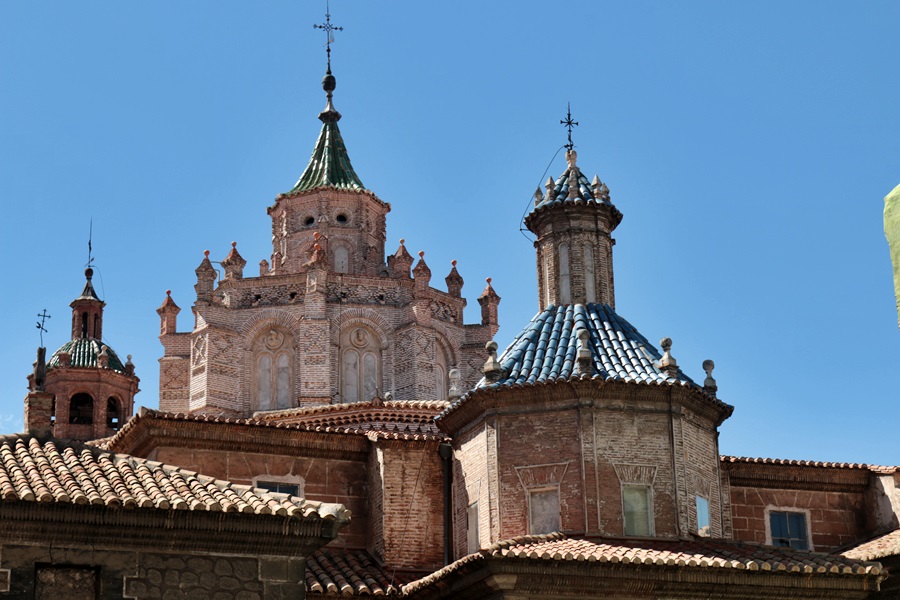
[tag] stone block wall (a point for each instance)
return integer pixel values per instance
(76, 573)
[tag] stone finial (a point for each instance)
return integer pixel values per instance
(538, 196)
(571, 158)
(263, 268)
(65, 359)
(574, 187)
(454, 281)
(455, 378)
(129, 366)
(709, 384)
(596, 186)
(604, 192)
(234, 263)
(103, 357)
(585, 361)
(388, 396)
(668, 363)
(549, 186)
(492, 369)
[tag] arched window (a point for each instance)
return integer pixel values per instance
(341, 259)
(84, 324)
(273, 369)
(113, 414)
(590, 284)
(97, 333)
(81, 409)
(360, 365)
(565, 285)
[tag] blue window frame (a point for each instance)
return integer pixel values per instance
(789, 529)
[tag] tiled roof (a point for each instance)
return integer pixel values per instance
(392, 416)
(84, 353)
(546, 350)
(879, 547)
(559, 195)
(710, 554)
(349, 573)
(809, 463)
(329, 165)
(53, 471)
(387, 431)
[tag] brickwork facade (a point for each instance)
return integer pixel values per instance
(586, 443)
(311, 306)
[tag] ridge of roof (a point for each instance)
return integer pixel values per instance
(705, 553)
(386, 433)
(885, 469)
(69, 472)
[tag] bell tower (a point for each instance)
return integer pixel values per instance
(573, 221)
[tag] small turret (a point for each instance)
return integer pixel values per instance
(454, 281)
(401, 262)
(206, 279)
(421, 273)
(168, 315)
(234, 263)
(87, 311)
(489, 301)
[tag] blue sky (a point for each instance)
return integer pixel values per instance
(749, 146)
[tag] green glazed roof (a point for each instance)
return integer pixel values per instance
(329, 164)
(84, 353)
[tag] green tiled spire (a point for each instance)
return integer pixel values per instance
(329, 164)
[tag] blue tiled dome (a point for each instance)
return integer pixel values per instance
(546, 350)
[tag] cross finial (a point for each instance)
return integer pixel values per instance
(569, 123)
(90, 248)
(43, 316)
(329, 30)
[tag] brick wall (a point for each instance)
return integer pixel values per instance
(834, 518)
(325, 480)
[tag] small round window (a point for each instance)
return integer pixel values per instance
(310, 221)
(342, 218)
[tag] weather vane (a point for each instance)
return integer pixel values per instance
(329, 30)
(90, 249)
(569, 123)
(43, 315)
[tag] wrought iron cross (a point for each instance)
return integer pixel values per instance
(569, 123)
(329, 30)
(90, 248)
(43, 315)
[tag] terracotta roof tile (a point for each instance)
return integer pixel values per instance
(717, 554)
(415, 430)
(349, 573)
(33, 470)
(809, 463)
(879, 547)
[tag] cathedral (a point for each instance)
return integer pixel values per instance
(330, 426)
